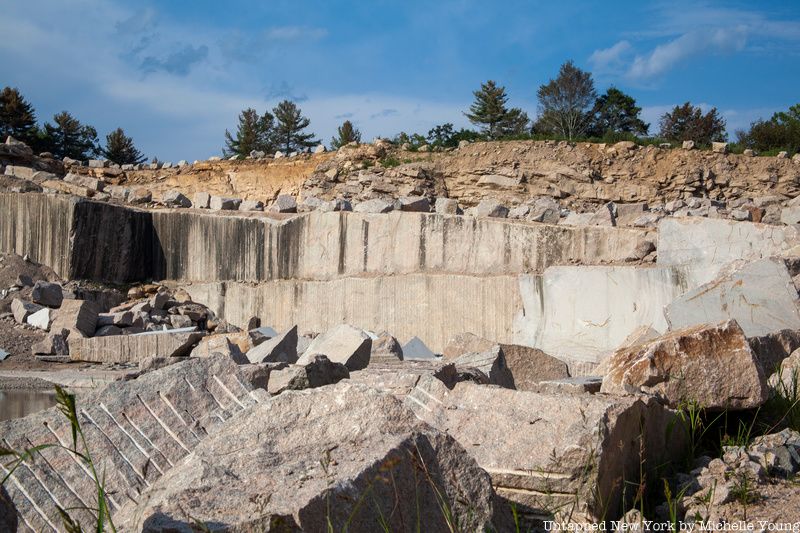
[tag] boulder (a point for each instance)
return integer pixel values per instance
(40, 319)
(55, 343)
(417, 204)
(140, 196)
(416, 349)
(790, 215)
(720, 148)
(201, 200)
(711, 365)
(606, 215)
(375, 205)
(22, 310)
(339, 204)
(341, 458)
(319, 372)
(492, 363)
(546, 210)
(385, 348)
(47, 294)
(251, 206)
(284, 203)
(279, 349)
(771, 349)
(688, 145)
(219, 203)
(531, 366)
(133, 348)
(490, 208)
(342, 344)
(232, 345)
(759, 295)
(175, 199)
(785, 381)
(464, 343)
(568, 455)
(447, 206)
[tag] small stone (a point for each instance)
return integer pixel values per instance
(284, 203)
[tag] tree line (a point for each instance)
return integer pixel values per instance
(66, 136)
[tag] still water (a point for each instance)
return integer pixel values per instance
(19, 403)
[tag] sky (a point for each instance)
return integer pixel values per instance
(175, 75)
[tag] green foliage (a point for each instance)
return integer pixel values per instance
(491, 114)
(414, 141)
(253, 132)
(121, 150)
(17, 117)
(781, 132)
(80, 450)
(346, 134)
(565, 103)
(289, 127)
(688, 123)
(390, 162)
(67, 137)
(783, 406)
(616, 113)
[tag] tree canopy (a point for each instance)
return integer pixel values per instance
(489, 111)
(253, 133)
(67, 137)
(120, 149)
(616, 112)
(346, 134)
(781, 132)
(688, 123)
(17, 117)
(566, 101)
(289, 126)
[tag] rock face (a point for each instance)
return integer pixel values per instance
(760, 296)
(711, 365)
(136, 431)
(343, 344)
(570, 454)
(385, 348)
(305, 460)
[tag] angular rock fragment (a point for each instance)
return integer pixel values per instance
(40, 319)
(447, 206)
(22, 309)
(78, 316)
(415, 349)
(342, 344)
(219, 203)
(492, 363)
(711, 365)
(328, 448)
(279, 349)
(375, 205)
(284, 204)
(319, 372)
(385, 348)
(490, 208)
(47, 294)
(417, 204)
(176, 199)
(232, 345)
(201, 200)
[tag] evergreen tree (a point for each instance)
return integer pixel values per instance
(289, 135)
(688, 123)
(17, 117)
(345, 135)
(565, 102)
(616, 112)
(121, 150)
(253, 133)
(69, 138)
(490, 113)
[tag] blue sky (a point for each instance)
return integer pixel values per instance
(175, 74)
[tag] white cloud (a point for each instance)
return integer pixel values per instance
(606, 60)
(666, 56)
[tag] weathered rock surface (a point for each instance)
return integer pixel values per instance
(279, 349)
(342, 344)
(569, 454)
(306, 460)
(712, 365)
(492, 363)
(77, 316)
(385, 348)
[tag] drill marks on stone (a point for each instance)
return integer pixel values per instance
(133, 441)
(114, 446)
(177, 415)
(58, 475)
(150, 442)
(228, 391)
(21, 489)
(163, 425)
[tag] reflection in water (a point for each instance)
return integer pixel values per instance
(19, 403)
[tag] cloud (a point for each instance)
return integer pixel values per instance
(344, 116)
(284, 91)
(178, 62)
(610, 59)
(389, 112)
(666, 56)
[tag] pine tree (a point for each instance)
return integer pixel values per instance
(121, 150)
(490, 113)
(345, 135)
(616, 112)
(69, 138)
(289, 128)
(254, 133)
(17, 117)
(565, 102)
(688, 123)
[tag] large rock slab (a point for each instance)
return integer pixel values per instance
(712, 365)
(318, 373)
(77, 316)
(759, 295)
(233, 345)
(136, 431)
(568, 454)
(47, 294)
(492, 363)
(279, 349)
(715, 242)
(342, 457)
(342, 344)
(134, 348)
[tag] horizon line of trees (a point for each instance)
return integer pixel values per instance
(66, 136)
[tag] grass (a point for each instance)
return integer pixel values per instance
(101, 513)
